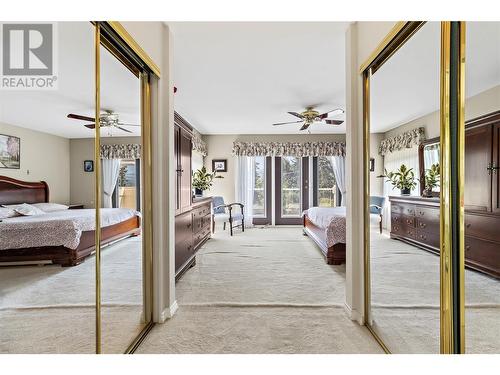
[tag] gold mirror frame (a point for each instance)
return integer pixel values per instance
(452, 269)
(111, 42)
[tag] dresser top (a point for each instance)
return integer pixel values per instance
(434, 201)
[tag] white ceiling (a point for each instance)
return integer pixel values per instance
(46, 111)
(407, 86)
(239, 78)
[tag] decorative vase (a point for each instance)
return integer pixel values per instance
(427, 193)
(406, 191)
(198, 192)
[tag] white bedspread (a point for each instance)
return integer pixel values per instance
(332, 219)
(59, 228)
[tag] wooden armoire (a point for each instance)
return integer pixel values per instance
(192, 216)
(416, 219)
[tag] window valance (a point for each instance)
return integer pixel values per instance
(404, 140)
(123, 151)
(199, 145)
(288, 149)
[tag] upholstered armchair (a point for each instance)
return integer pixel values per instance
(376, 208)
(224, 213)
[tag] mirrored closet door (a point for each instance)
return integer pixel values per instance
(404, 197)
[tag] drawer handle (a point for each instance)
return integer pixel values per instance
(189, 225)
(421, 213)
(423, 225)
(423, 237)
(467, 225)
(408, 221)
(467, 248)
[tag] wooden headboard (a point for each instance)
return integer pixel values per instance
(14, 191)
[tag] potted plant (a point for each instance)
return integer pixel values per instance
(403, 179)
(431, 179)
(203, 180)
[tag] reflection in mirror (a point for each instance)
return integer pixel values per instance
(404, 225)
(47, 266)
(482, 184)
(122, 288)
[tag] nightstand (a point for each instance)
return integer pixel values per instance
(75, 206)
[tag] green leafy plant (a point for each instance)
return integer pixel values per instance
(403, 179)
(431, 178)
(203, 180)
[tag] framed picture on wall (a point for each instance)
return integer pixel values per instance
(10, 152)
(219, 165)
(88, 166)
(372, 164)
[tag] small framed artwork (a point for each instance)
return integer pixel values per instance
(372, 164)
(219, 165)
(10, 152)
(88, 166)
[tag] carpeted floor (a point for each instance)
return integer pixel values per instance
(51, 309)
(262, 291)
(405, 300)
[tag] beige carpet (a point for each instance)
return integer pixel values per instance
(51, 309)
(405, 300)
(262, 291)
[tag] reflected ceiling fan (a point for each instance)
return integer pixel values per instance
(108, 119)
(310, 116)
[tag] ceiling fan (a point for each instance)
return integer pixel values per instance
(108, 119)
(310, 115)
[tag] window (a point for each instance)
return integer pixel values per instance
(291, 179)
(126, 187)
(326, 185)
(259, 193)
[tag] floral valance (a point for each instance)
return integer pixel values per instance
(405, 140)
(288, 149)
(198, 144)
(123, 151)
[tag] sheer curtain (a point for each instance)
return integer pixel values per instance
(338, 165)
(392, 161)
(245, 184)
(110, 173)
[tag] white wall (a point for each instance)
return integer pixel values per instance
(220, 147)
(44, 157)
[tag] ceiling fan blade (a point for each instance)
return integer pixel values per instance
(123, 124)
(337, 110)
(125, 130)
(286, 123)
(90, 126)
(333, 122)
(79, 117)
(296, 114)
(304, 127)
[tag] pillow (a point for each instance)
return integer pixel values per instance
(5, 213)
(25, 209)
(50, 207)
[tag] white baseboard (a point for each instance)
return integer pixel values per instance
(169, 312)
(353, 314)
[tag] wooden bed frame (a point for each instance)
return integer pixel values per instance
(13, 191)
(334, 254)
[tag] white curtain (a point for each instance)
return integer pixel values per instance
(110, 173)
(338, 165)
(392, 161)
(245, 184)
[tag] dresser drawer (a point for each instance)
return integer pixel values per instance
(201, 211)
(183, 227)
(429, 239)
(403, 209)
(408, 221)
(483, 254)
(485, 227)
(201, 236)
(183, 252)
(404, 231)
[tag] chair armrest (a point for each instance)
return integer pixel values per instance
(230, 206)
(221, 206)
(377, 207)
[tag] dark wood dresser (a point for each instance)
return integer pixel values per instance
(416, 220)
(192, 216)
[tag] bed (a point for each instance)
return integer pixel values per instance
(64, 238)
(326, 227)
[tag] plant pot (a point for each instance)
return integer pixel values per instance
(198, 192)
(405, 191)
